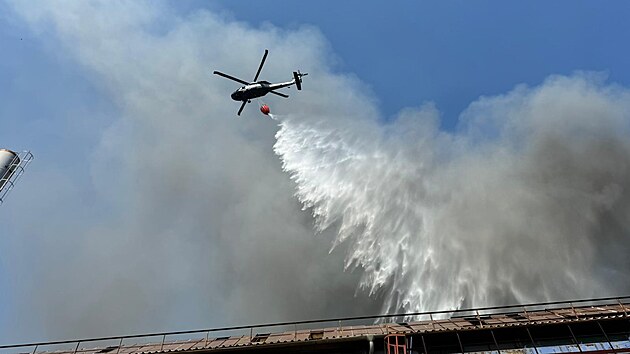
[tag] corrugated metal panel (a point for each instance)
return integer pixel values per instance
(397, 328)
(153, 348)
(445, 325)
(421, 326)
(461, 323)
(130, 349)
(302, 335)
(279, 338)
(243, 341)
(216, 343)
(545, 316)
(230, 342)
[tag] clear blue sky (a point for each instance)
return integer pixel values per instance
(405, 52)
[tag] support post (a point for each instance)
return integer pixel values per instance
(532, 339)
(574, 338)
(424, 344)
(76, 348)
(459, 340)
(495, 341)
(605, 335)
(119, 345)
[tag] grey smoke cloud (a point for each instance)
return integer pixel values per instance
(189, 220)
(192, 222)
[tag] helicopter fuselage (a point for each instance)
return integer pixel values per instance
(257, 89)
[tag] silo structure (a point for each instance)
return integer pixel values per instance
(12, 165)
(9, 160)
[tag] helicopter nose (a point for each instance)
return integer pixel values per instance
(234, 95)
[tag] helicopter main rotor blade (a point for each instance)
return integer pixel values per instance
(241, 109)
(231, 77)
(279, 94)
(262, 62)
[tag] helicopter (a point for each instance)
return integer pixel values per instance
(257, 89)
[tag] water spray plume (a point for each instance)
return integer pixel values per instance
(527, 202)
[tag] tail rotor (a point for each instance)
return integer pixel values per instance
(297, 76)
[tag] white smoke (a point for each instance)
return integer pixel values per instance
(172, 213)
(528, 201)
(189, 220)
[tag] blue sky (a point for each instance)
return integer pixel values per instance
(452, 52)
(404, 53)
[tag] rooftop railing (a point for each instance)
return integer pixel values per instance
(74, 344)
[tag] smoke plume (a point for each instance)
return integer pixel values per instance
(178, 215)
(168, 212)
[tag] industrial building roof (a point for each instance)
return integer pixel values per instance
(210, 340)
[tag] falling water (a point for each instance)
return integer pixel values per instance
(528, 201)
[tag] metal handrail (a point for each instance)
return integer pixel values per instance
(618, 299)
